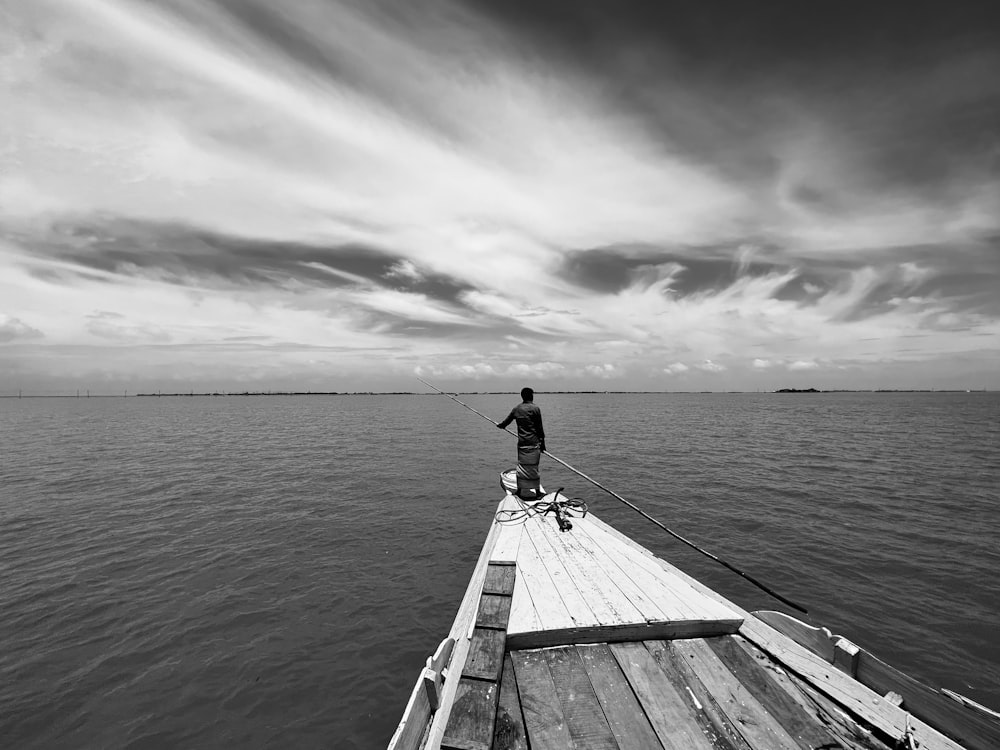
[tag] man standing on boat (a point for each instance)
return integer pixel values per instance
(530, 444)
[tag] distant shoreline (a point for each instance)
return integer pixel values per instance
(228, 394)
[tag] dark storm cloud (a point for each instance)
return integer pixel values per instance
(181, 254)
(612, 269)
(964, 279)
(912, 84)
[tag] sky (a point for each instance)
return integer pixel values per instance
(325, 195)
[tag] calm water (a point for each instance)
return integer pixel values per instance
(272, 572)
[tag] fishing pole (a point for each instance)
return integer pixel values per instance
(638, 510)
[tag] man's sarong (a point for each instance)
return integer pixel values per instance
(528, 479)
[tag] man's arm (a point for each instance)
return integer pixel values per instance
(539, 430)
(507, 421)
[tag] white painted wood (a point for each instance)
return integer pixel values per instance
(637, 585)
(814, 669)
(675, 595)
(845, 656)
(509, 539)
(643, 572)
(605, 599)
(549, 606)
(578, 607)
(465, 618)
(523, 617)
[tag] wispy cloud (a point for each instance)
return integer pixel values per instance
(451, 185)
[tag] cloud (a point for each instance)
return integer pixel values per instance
(802, 364)
(14, 329)
(710, 366)
(404, 270)
(451, 181)
(604, 371)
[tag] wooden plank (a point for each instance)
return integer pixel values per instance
(470, 726)
(494, 611)
(509, 539)
(621, 708)
(674, 593)
(619, 633)
(713, 720)
(758, 727)
(813, 669)
(818, 640)
(849, 692)
(668, 712)
(801, 725)
(485, 658)
(848, 731)
(640, 586)
(459, 631)
(576, 604)
(549, 606)
(606, 600)
(412, 726)
(523, 617)
(509, 732)
(587, 725)
(642, 569)
(499, 579)
(971, 728)
(543, 715)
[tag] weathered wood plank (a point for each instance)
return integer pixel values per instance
(587, 725)
(817, 640)
(523, 617)
(668, 712)
(459, 631)
(549, 606)
(829, 713)
(411, 728)
(485, 658)
(706, 710)
(471, 722)
(971, 728)
(577, 605)
(847, 691)
(802, 726)
(494, 611)
(641, 568)
(509, 732)
(543, 715)
(499, 579)
(619, 633)
(621, 708)
(757, 726)
(605, 598)
(641, 587)
(675, 597)
(505, 550)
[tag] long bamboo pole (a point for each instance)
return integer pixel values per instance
(638, 510)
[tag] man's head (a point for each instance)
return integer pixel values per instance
(527, 394)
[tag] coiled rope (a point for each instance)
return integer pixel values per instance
(562, 509)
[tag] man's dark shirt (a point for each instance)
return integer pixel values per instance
(529, 424)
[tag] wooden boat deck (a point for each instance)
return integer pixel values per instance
(684, 694)
(585, 639)
(588, 585)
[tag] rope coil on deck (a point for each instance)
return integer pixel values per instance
(562, 509)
